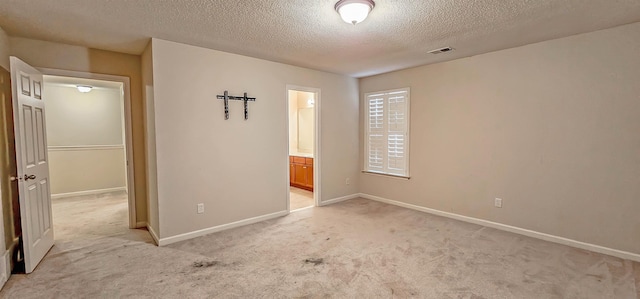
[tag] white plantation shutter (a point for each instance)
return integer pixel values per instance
(387, 132)
(376, 136)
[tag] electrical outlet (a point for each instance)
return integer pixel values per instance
(200, 208)
(498, 203)
(347, 181)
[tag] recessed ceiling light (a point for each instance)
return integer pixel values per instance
(84, 88)
(354, 11)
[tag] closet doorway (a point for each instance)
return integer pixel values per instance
(302, 106)
(89, 146)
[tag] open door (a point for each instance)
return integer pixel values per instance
(32, 163)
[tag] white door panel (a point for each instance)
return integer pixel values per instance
(32, 160)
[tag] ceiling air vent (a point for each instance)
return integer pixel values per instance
(441, 50)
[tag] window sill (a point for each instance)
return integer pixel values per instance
(388, 175)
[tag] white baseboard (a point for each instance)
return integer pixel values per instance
(5, 267)
(513, 229)
(141, 224)
(206, 231)
(63, 148)
(88, 192)
(302, 209)
(153, 234)
(339, 199)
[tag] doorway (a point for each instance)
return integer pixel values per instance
(88, 147)
(302, 105)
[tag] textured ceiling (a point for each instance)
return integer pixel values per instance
(309, 33)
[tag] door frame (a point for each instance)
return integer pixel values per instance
(317, 155)
(5, 256)
(131, 192)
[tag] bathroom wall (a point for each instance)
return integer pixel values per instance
(293, 121)
(306, 122)
(301, 123)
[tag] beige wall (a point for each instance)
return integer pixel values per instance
(4, 50)
(75, 118)
(66, 57)
(8, 190)
(238, 168)
(85, 136)
(150, 139)
(78, 170)
(552, 128)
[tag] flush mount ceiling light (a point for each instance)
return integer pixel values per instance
(84, 88)
(354, 11)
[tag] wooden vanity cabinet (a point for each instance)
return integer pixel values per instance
(301, 172)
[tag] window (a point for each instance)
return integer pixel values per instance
(387, 132)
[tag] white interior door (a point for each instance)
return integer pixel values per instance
(32, 159)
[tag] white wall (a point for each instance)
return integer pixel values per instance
(85, 139)
(150, 140)
(553, 128)
(238, 168)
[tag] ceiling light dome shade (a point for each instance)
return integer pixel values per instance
(84, 88)
(354, 11)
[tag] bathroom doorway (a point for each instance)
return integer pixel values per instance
(302, 104)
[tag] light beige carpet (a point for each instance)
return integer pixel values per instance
(356, 248)
(300, 198)
(91, 216)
